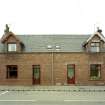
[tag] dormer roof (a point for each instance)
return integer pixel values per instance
(7, 35)
(98, 33)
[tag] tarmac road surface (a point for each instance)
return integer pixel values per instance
(51, 98)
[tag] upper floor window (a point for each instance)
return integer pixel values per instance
(95, 47)
(11, 47)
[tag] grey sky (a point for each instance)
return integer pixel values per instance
(52, 16)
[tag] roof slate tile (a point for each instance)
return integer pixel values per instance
(39, 43)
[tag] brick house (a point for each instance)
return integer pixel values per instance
(52, 59)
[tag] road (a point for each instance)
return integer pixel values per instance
(52, 103)
(51, 98)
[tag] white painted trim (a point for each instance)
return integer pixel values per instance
(94, 35)
(4, 93)
(17, 100)
(84, 100)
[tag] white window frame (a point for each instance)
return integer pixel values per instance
(12, 47)
(95, 47)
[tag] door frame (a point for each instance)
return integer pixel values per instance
(33, 75)
(74, 74)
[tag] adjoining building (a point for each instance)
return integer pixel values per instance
(52, 59)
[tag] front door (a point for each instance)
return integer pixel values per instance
(36, 74)
(71, 74)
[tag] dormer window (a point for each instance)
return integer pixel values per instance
(95, 47)
(95, 43)
(11, 47)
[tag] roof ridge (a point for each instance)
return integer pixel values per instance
(53, 35)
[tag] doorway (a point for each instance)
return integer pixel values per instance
(36, 74)
(71, 73)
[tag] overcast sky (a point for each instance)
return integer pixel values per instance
(52, 16)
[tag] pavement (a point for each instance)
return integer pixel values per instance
(54, 88)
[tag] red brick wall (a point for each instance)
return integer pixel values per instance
(25, 62)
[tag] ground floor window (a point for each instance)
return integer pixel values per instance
(12, 71)
(95, 71)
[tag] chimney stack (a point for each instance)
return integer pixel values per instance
(7, 29)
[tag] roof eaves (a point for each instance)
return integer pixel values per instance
(97, 33)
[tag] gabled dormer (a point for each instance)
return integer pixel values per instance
(95, 43)
(11, 42)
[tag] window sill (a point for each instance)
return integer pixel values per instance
(11, 52)
(95, 79)
(94, 51)
(12, 78)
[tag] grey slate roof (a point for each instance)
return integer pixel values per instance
(39, 43)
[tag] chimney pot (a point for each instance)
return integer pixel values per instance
(99, 30)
